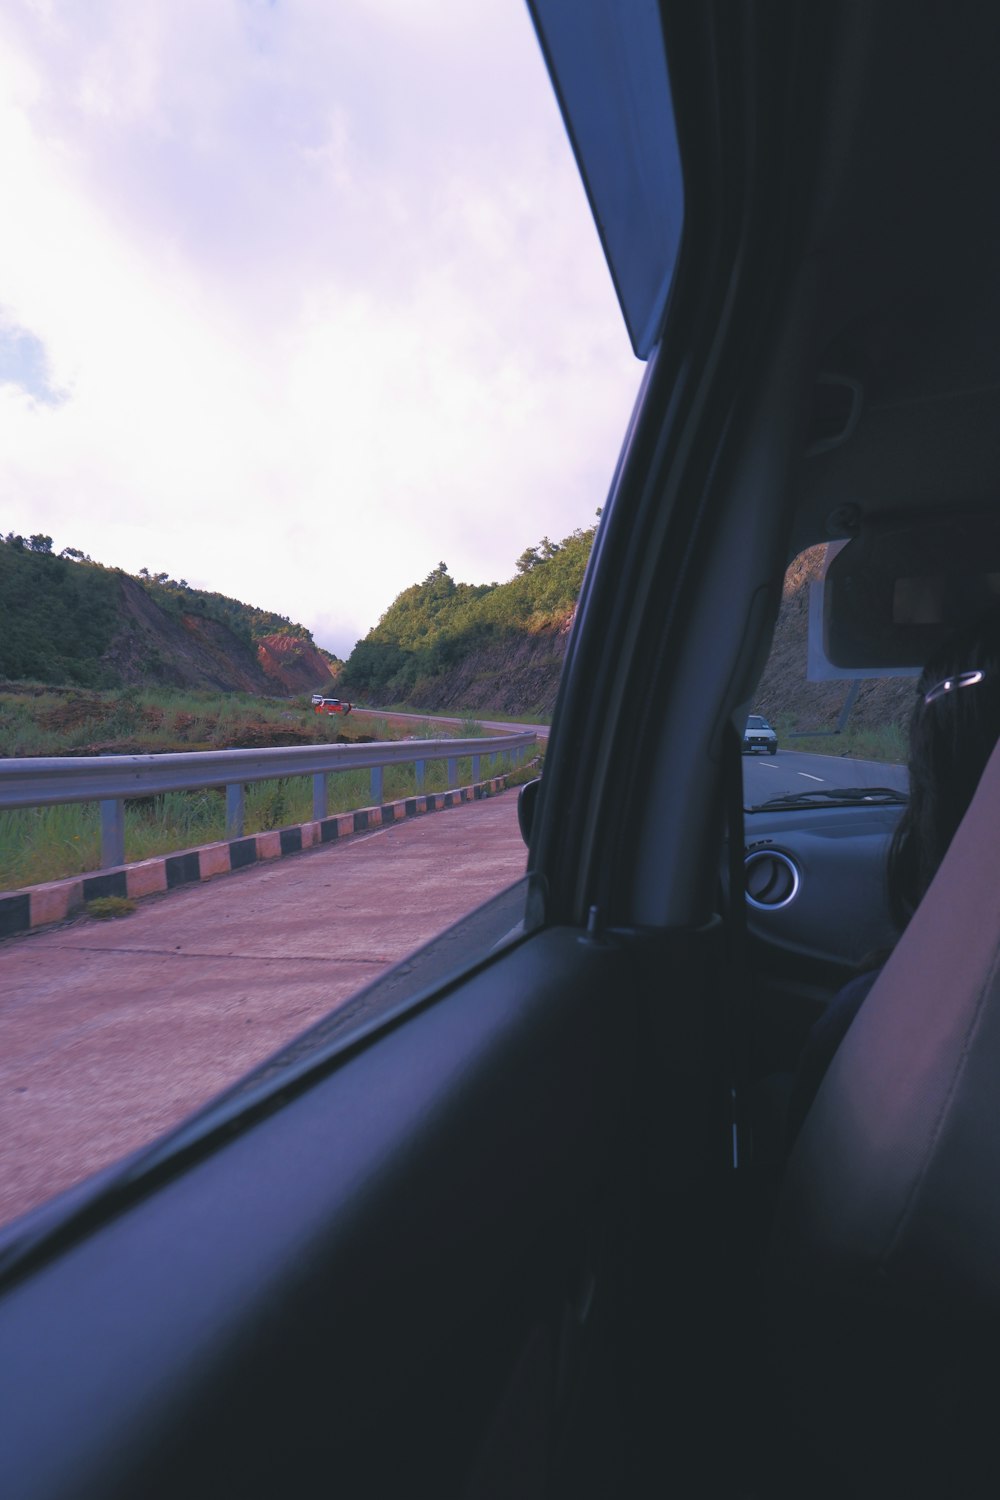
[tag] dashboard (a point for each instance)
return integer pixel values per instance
(816, 886)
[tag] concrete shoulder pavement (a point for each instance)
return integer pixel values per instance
(116, 1031)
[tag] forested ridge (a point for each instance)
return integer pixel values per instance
(57, 616)
(65, 619)
(436, 628)
(62, 615)
(245, 620)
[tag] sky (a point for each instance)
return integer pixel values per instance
(298, 299)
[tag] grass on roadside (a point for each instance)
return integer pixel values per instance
(886, 742)
(39, 721)
(105, 908)
(49, 843)
(530, 772)
(537, 716)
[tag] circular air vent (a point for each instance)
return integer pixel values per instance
(772, 879)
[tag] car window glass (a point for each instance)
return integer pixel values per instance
(313, 380)
(816, 737)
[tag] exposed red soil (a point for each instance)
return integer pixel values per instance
(293, 665)
(73, 713)
(152, 646)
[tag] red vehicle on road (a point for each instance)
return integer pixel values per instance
(323, 705)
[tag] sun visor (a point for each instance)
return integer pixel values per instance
(889, 597)
(609, 71)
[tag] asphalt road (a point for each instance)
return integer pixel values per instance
(115, 1031)
(767, 776)
(495, 726)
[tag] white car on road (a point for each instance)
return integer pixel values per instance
(758, 735)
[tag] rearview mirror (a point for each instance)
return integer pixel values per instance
(893, 593)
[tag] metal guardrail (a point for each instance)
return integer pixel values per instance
(41, 781)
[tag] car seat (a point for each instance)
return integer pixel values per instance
(884, 1278)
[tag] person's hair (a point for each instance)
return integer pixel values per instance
(951, 739)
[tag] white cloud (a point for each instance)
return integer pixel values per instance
(322, 290)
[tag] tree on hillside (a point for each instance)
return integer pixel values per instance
(56, 620)
(40, 543)
(244, 620)
(434, 625)
(533, 557)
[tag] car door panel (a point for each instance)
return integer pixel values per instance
(419, 1223)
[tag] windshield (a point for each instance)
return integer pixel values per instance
(826, 743)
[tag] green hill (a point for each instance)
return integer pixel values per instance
(246, 620)
(68, 620)
(440, 638)
(58, 617)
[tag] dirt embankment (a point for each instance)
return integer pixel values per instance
(152, 646)
(184, 651)
(518, 675)
(785, 693)
(292, 665)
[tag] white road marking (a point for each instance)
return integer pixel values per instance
(809, 775)
(768, 766)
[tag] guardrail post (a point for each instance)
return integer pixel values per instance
(475, 768)
(418, 770)
(234, 810)
(319, 796)
(376, 782)
(452, 771)
(112, 832)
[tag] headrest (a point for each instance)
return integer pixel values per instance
(896, 1172)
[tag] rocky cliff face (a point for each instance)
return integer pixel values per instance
(188, 650)
(184, 651)
(292, 665)
(517, 675)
